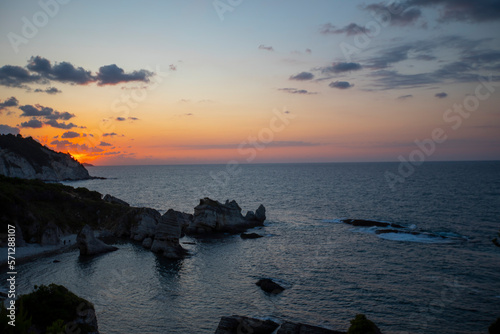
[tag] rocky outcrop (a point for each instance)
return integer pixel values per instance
(237, 324)
(51, 235)
(114, 200)
(250, 236)
(145, 222)
(269, 286)
(28, 159)
(212, 216)
(89, 245)
(166, 237)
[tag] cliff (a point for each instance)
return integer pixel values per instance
(28, 159)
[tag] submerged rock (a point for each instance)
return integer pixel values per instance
(212, 216)
(237, 324)
(89, 244)
(270, 286)
(250, 236)
(369, 223)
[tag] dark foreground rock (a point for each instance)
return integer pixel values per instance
(54, 309)
(270, 286)
(293, 328)
(237, 325)
(369, 223)
(26, 158)
(166, 237)
(214, 217)
(250, 236)
(89, 244)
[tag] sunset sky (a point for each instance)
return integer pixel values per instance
(171, 82)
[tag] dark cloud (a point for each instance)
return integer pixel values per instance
(441, 95)
(112, 75)
(297, 91)
(66, 145)
(341, 67)
(45, 112)
(109, 134)
(66, 72)
(55, 124)
(350, 29)
(133, 118)
(120, 119)
(340, 84)
(32, 123)
(17, 76)
(6, 129)
(302, 76)
(49, 90)
(395, 14)
(404, 97)
(308, 51)
(462, 10)
(105, 144)
(268, 48)
(70, 134)
(10, 102)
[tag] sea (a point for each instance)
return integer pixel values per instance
(442, 276)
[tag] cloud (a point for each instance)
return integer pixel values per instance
(341, 67)
(10, 102)
(105, 144)
(350, 29)
(112, 75)
(133, 118)
(462, 10)
(297, 91)
(109, 134)
(395, 14)
(268, 48)
(340, 84)
(5, 129)
(120, 119)
(32, 123)
(53, 123)
(49, 90)
(16, 76)
(66, 145)
(441, 95)
(404, 97)
(302, 76)
(45, 112)
(308, 51)
(172, 67)
(70, 134)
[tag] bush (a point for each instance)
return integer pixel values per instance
(361, 325)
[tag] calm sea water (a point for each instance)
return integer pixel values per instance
(332, 271)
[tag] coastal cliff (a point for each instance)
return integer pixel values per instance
(28, 159)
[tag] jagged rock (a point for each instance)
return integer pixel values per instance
(269, 286)
(293, 328)
(28, 159)
(250, 236)
(260, 214)
(51, 235)
(89, 245)
(213, 216)
(237, 324)
(166, 237)
(146, 220)
(147, 243)
(114, 200)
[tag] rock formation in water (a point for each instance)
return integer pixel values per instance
(89, 244)
(28, 159)
(212, 216)
(369, 223)
(166, 237)
(269, 286)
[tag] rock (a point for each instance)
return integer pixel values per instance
(250, 236)
(89, 245)
(269, 286)
(166, 237)
(51, 235)
(147, 243)
(212, 216)
(260, 214)
(114, 200)
(362, 325)
(26, 158)
(369, 223)
(56, 261)
(237, 324)
(19, 237)
(145, 222)
(293, 328)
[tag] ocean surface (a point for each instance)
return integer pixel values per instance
(444, 278)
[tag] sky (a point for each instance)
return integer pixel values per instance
(262, 81)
